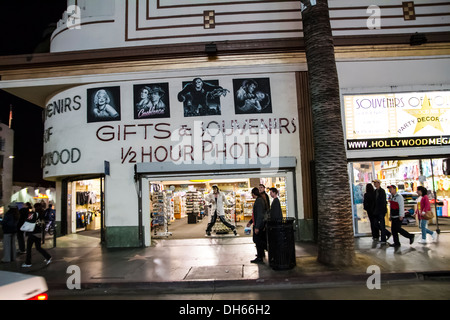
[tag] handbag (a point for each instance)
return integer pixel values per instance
(28, 226)
(428, 215)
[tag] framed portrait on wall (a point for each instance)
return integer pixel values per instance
(252, 95)
(201, 97)
(103, 104)
(151, 101)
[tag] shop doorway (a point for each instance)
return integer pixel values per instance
(85, 208)
(407, 175)
(179, 207)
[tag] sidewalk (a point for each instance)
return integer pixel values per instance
(223, 264)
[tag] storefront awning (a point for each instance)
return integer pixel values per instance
(267, 164)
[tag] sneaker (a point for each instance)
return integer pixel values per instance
(257, 260)
(395, 245)
(411, 240)
(208, 233)
(434, 235)
(47, 262)
(422, 241)
(24, 265)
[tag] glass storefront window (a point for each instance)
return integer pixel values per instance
(407, 175)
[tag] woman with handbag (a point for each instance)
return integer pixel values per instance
(422, 208)
(34, 237)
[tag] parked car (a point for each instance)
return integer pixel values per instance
(20, 286)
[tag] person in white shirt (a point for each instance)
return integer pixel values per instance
(217, 199)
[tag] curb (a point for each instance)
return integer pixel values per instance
(216, 286)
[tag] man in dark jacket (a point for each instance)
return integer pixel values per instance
(259, 233)
(9, 224)
(262, 192)
(275, 209)
(380, 210)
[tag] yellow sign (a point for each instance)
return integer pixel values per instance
(428, 116)
(397, 115)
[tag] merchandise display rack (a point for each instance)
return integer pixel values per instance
(161, 212)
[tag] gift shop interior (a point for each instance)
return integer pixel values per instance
(406, 175)
(180, 209)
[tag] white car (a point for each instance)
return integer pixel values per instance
(19, 286)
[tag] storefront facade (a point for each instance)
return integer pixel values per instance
(198, 90)
(398, 130)
(239, 125)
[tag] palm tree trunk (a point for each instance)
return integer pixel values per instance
(335, 229)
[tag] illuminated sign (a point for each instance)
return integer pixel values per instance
(397, 120)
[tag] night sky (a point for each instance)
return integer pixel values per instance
(24, 25)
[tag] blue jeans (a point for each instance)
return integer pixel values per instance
(423, 226)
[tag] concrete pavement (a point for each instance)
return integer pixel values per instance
(221, 264)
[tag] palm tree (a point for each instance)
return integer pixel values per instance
(335, 230)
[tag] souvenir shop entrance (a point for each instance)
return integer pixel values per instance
(407, 175)
(85, 208)
(180, 208)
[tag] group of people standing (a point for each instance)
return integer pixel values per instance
(12, 222)
(262, 210)
(375, 204)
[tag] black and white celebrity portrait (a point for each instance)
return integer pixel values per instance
(201, 98)
(151, 101)
(103, 104)
(252, 96)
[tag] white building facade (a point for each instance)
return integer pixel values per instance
(229, 99)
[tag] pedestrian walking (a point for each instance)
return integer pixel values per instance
(9, 224)
(217, 199)
(49, 217)
(36, 216)
(275, 209)
(397, 205)
(369, 206)
(380, 211)
(259, 232)
(23, 216)
(423, 205)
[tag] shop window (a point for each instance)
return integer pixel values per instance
(86, 205)
(407, 175)
(178, 208)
